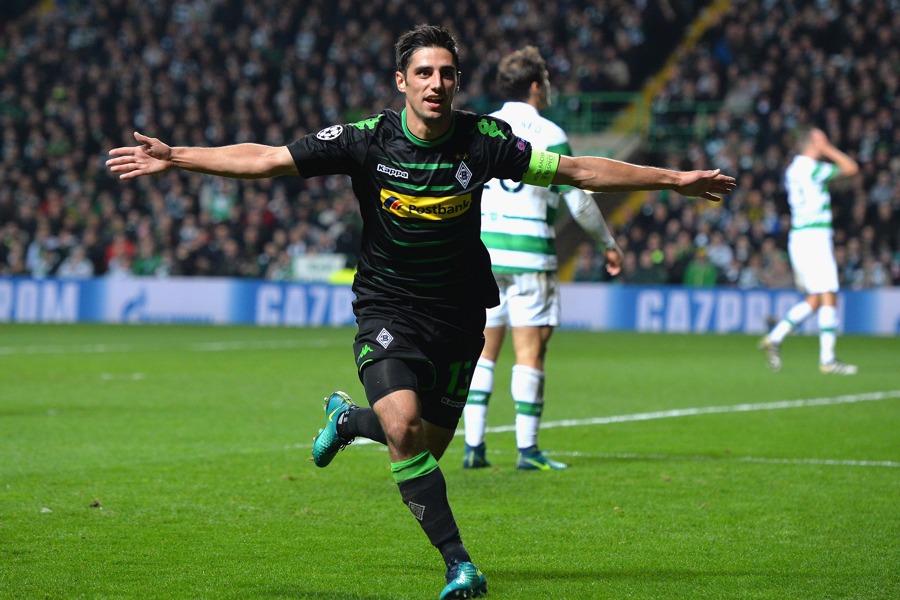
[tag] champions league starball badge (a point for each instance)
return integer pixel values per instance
(330, 133)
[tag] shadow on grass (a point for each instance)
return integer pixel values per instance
(295, 594)
(655, 575)
(349, 588)
(512, 579)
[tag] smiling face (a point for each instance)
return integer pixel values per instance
(429, 83)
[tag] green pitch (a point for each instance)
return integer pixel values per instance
(173, 462)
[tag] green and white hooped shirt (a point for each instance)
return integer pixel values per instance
(806, 181)
(517, 219)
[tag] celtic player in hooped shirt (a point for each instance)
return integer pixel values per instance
(424, 277)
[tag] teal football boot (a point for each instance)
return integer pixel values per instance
(464, 580)
(474, 458)
(532, 459)
(328, 443)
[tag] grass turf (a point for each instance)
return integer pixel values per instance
(172, 462)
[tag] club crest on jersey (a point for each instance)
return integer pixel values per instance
(384, 338)
(463, 174)
(521, 144)
(429, 208)
(330, 133)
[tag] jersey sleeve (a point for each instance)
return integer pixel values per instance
(513, 157)
(335, 150)
(587, 214)
(825, 172)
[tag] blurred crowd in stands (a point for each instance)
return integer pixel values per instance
(77, 80)
(770, 66)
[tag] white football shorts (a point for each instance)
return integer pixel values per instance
(526, 300)
(812, 259)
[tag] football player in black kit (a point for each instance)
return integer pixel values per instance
(424, 278)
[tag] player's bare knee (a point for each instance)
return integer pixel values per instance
(405, 439)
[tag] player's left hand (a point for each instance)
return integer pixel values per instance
(152, 156)
(710, 185)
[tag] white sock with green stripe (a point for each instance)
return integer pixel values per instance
(828, 323)
(527, 389)
(794, 318)
(475, 412)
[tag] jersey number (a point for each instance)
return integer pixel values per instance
(460, 378)
(511, 186)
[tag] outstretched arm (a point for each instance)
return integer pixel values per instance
(240, 161)
(599, 174)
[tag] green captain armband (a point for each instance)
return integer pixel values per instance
(542, 168)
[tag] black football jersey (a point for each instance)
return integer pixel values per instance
(420, 202)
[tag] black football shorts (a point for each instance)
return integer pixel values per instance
(436, 352)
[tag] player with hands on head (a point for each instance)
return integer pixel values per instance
(517, 227)
(811, 247)
(423, 280)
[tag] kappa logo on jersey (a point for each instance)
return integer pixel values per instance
(384, 338)
(430, 208)
(490, 128)
(365, 350)
(452, 403)
(392, 171)
(369, 123)
(463, 174)
(330, 133)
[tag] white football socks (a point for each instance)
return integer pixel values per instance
(828, 323)
(794, 318)
(475, 412)
(527, 389)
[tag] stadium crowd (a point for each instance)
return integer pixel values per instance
(770, 66)
(214, 72)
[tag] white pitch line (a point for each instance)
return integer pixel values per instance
(194, 347)
(708, 410)
(83, 349)
(261, 345)
(122, 376)
(825, 462)
(746, 459)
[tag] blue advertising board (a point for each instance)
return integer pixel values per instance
(596, 307)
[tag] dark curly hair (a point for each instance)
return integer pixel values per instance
(424, 36)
